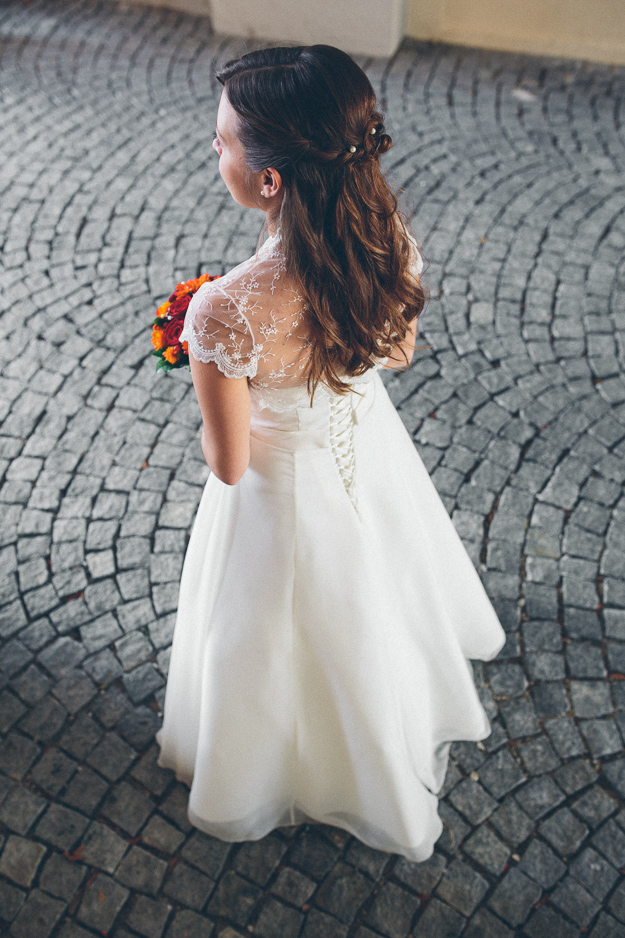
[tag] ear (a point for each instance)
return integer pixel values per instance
(270, 183)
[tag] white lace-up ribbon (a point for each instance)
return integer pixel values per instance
(342, 420)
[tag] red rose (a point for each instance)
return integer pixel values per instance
(179, 306)
(171, 331)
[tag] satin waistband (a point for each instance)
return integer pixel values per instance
(313, 427)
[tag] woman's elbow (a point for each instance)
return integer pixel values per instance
(231, 477)
(230, 471)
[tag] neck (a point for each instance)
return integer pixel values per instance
(271, 221)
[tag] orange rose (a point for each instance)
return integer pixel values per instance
(185, 348)
(158, 340)
(162, 310)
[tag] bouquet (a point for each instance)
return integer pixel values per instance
(170, 351)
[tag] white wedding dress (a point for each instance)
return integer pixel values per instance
(327, 606)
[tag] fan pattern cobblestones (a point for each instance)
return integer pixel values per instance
(513, 168)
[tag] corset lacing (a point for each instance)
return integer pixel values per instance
(342, 420)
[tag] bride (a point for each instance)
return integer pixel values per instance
(327, 606)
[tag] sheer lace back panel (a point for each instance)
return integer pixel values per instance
(251, 322)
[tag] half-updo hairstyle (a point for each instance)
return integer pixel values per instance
(310, 113)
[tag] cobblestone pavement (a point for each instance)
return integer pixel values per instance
(110, 193)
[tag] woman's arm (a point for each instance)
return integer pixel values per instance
(225, 406)
(398, 359)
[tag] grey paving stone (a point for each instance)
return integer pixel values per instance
(148, 917)
(550, 700)
(142, 682)
(606, 927)
(615, 773)
(102, 902)
(585, 660)
(514, 897)
(541, 864)
(11, 900)
(61, 877)
(519, 717)
(485, 848)
(100, 632)
(160, 834)
(564, 831)
(454, 829)
(61, 827)
(313, 853)
(439, 919)
(575, 901)
(17, 754)
(85, 791)
(539, 796)
(616, 903)
(61, 656)
(602, 737)
(609, 840)
(80, 736)
(293, 887)
(320, 925)
(187, 923)
(31, 685)
(102, 847)
(20, 860)
(538, 756)
(565, 737)
(21, 808)
(547, 922)
(470, 798)
(127, 807)
(392, 910)
(109, 706)
(38, 916)
(507, 680)
(174, 807)
(594, 873)
(421, 877)
(277, 920)
(191, 888)
(369, 861)
(511, 822)
(112, 757)
(545, 666)
(256, 860)
(53, 771)
(462, 887)
(138, 727)
(141, 870)
(45, 720)
(594, 806)
(485, 925)
(343, 893)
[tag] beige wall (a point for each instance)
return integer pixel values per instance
(581, 29)
(584, 29)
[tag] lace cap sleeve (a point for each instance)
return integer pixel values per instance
(217, 331)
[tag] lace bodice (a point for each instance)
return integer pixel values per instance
(251, 322)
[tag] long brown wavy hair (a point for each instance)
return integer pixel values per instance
(310, 113)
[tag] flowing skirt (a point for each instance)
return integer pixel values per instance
(327, 611)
